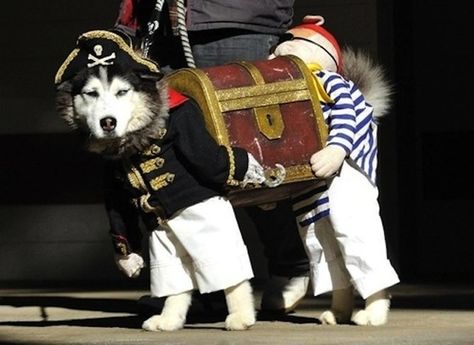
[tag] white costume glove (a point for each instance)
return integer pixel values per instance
(326, 162)
(254, 174)
(130, 264)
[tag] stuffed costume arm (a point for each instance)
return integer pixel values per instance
(123, 220)
(341, 122)
(213, 163)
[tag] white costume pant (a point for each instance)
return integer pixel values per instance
(200, 247)
(348, 246)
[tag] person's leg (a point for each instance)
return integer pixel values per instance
(288, 264)
(278, 232)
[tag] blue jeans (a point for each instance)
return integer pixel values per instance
(217, 47)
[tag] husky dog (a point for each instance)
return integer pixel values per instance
(165, 164)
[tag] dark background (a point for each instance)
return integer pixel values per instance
(52, 224)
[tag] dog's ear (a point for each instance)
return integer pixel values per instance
(65, 86)
(63, 102)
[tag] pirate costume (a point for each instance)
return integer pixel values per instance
(175, 183)
(338, 218)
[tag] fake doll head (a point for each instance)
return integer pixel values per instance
(313, 44)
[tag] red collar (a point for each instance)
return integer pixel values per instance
(175, 98)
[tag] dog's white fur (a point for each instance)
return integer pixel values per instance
(100, 99)
(138, 114)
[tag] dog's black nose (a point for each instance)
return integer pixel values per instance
(108, 123)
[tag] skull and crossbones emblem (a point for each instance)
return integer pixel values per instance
(97, 60)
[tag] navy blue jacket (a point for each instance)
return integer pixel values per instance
(182, 167)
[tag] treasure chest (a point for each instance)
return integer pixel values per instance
(268, 107)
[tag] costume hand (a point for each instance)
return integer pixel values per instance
(326, 162)
(255, 173)
(130, 264)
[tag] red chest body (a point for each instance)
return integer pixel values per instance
(268, 107)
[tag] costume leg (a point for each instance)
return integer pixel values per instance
(209, 233)
(359, 231)
(328, 272)
(327, 265)
(170, 275)
(171, 270)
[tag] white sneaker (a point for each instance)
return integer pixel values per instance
(282, 294)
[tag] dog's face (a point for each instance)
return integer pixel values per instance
(109, 105)
(113, 106)
(111, 93)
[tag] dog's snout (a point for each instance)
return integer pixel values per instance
(108, 123)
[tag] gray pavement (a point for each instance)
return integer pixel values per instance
(420, 315)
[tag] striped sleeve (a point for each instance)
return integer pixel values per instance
(342, 119)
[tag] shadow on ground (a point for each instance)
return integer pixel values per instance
(209, 308)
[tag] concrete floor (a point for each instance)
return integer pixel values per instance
(420, 315)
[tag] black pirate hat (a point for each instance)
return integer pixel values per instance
(104, 48)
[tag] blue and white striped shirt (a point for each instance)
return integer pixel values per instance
(351, 125)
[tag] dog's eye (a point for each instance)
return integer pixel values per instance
(122, 92)
(94, 94)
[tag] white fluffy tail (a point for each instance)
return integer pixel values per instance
(370, 79)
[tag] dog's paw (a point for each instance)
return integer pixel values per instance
(328, 318)
(375, 314)
(332, 317)
(158, 323)
(239, 321)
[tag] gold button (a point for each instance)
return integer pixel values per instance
(159, 162)
(161, 133)
(155, 149)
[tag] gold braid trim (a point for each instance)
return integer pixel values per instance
(231, 181)
(59, 74)
(134, 176)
